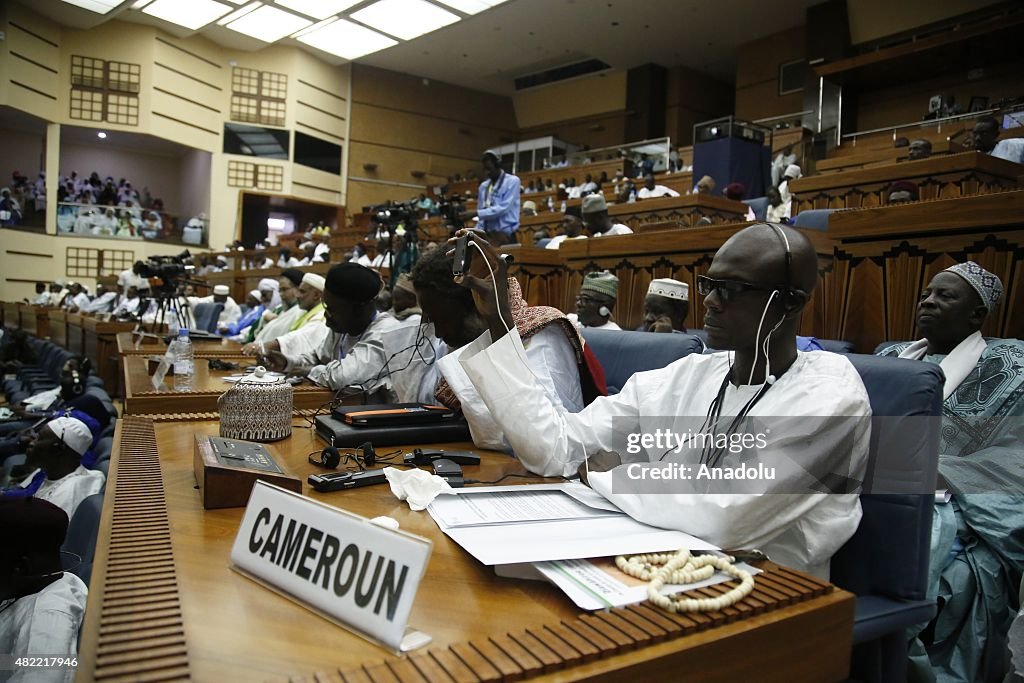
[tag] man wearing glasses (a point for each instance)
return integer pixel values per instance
(754, 292)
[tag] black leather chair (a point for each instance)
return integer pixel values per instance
(624, 352)
(885, 563)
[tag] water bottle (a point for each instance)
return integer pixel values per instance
(183, 366)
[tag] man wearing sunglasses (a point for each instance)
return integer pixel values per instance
(811, 409)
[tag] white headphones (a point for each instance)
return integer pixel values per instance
(604, 312)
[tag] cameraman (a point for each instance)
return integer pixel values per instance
(497, 203)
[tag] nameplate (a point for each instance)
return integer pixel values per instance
(338, 564)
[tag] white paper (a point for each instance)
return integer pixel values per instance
(598, 583)
(504, 506)
(161, 370)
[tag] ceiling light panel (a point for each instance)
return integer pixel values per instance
(239, 13)
(346, 40)
(139, 4)
(318, 9)
(98, 6)
(405, 19)
(471, 6)
(269, 24)
(192, 14)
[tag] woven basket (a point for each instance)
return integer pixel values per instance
(256, 408)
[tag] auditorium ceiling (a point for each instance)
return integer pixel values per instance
(477, 46)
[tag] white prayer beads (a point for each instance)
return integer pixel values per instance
(682, 568)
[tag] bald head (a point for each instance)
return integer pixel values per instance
(757, 254)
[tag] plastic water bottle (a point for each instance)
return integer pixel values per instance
(183, 365)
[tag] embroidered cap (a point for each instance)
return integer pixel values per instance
(669, 288)
(221, 290)
(986, 284)
(602, 282)
(594, 203)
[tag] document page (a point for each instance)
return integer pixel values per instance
(480, 508)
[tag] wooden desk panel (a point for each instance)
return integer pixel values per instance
(202, 348)
(939, 177)
(27, 318)
(207, 387)
(59, 327)
(11, 315)
(183, 613)
(885, 256)
(101, 347)
(76, 333)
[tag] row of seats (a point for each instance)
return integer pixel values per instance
(45, 374)
(886, 562)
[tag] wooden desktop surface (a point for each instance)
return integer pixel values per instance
(201, 348)
(164, 604)
(207, 386)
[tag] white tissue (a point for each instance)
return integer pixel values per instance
(417, 487)
(386, 522)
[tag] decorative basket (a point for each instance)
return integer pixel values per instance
(256, 408)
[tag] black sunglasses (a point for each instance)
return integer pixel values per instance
(728, 290)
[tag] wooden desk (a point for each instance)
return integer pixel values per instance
(163, 603)
(207, 386)
(201, 348)
(101, 347)
(76, 333)
(59, 327)
(686, 210)
(27, 318)
(11, 315)
(552, 277)
(939, 177)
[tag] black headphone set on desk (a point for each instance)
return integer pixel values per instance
(365, 456)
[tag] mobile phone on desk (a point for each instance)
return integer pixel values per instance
(460, 264)
(339, 481)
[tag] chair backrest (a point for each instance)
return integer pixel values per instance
(813, 219)
(623, 353)
(206, 315)
(759, 205)
(836, 345)
(82, 532)
(888, 555)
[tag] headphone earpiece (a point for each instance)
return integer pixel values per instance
(369, 455)
(604, 312)
(329, 458)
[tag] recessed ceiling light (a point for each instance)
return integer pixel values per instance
(192, 14)
(239, 13)
(471, 6)
(405, 19)
(98, 6)
(139, 4)
(269, 24)
(347, 40)
(318, 9)
(101, 135)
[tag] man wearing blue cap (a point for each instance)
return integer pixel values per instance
(978, 536)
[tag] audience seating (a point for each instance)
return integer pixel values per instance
(80, 540)
(886, 562)
(813, 219)
(759, 205)
(624, 352)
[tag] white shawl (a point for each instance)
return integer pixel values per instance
(957, 365)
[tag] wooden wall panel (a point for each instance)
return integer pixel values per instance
(757, 75)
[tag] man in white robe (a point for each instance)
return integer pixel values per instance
(41, 606)
(103, 303)
(754, 291)
(221, 295)
(56, 454)
(308, 332)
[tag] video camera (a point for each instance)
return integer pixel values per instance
(170, 269)
(395, 215)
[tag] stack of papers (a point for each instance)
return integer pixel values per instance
(550, 531)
